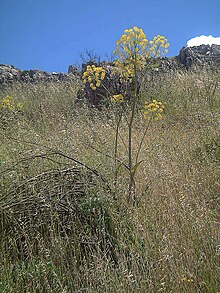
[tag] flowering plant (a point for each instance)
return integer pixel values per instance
(132, 52)
(154, 110)
(8, 103)
(9, 108)
(93, 75)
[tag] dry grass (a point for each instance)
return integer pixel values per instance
(168, 241)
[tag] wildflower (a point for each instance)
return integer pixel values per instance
(19, 106)
(117, 98)
(129, 49)
(9, 103)
(153, 110)
(133, 48)
(98, 83)
(185, 279)
(93, 75)
(158, 46)
(92, 86)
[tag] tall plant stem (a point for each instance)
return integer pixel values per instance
(131, 180)
(116, 147)
(142, 140)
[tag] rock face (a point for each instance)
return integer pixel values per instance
(9, 74)
(200, 56)
(163, 64)
(188, 58)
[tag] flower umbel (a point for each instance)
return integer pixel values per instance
(158, 46)
(153, 110)
(93, 75)
(117, 98)
(133, 49)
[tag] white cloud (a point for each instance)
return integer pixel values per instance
(203, 40)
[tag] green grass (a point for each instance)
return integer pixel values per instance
(164, 242)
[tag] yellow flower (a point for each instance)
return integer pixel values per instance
(19, 106)
(130, 49)
(9, 103)
(93, 75)
(185, 279)
(98, 83)
(117, 98)
(102, 75)
(153, 110)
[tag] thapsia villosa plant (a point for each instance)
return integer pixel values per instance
(132, 51)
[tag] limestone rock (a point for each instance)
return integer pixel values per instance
(200, 56)
(10, 74)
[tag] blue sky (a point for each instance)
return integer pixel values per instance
(51, 34)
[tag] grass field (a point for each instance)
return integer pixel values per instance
(66, 226)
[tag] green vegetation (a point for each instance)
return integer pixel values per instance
(73, 219)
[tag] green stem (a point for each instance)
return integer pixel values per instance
(116, 146)
(142, 139)
(132, 181)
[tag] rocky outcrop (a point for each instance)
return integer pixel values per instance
(200, 56)
(163, 64)
(10, 74)
(188, 58)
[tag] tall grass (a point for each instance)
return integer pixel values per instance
(59, 237)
